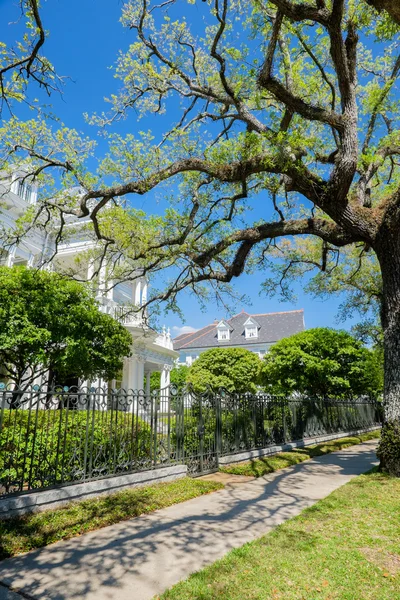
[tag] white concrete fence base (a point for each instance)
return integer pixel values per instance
(59, 496)
(252, 454)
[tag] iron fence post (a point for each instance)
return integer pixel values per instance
(218, 428)
(284, 420)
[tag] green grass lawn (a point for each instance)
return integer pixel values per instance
(21, 534)
(268, 464)
(346, 547)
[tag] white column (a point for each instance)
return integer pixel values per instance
(11, 256)
(132, 373)
(165, 376)
(125, 374)
(144, 292)
(138, 290)
(140, 373)
(31, 260)
(90, 269)
(110, 290)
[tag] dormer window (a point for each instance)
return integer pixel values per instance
(251, 329)
(223, 331)
(251, 332)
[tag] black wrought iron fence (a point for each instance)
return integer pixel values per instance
(66, 435)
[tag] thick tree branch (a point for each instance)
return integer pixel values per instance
(283, 94)
(322, 228)
(302, 12)
(391, 6)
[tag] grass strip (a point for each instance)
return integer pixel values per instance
(269, 464)
(345, 547)
(21, 534)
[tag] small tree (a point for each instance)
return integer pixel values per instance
(235, 369)
(323, 363)
(51, 324)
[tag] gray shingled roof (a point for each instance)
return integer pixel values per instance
(272, 328)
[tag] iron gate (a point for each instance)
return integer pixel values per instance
(199, 430)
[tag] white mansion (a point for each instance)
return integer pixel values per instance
(151, 351)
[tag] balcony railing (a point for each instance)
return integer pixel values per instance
(129, 316)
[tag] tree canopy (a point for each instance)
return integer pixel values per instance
(235, 369)
(323, 363)
(280, 119)
(281, 126)
(48, 322)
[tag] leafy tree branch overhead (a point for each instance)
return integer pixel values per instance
(24, 64)
(286, 105)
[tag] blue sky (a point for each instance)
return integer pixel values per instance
(85, 37)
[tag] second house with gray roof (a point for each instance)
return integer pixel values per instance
(254, 332)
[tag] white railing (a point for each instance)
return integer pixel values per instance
(130, 317)
(124, 313)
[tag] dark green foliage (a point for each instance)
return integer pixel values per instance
(323, 363)
(235, 369)
(50, 322)
(389, 448)
(179, 376)
(53, 446)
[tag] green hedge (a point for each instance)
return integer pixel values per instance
(250, 424)
(46, 447)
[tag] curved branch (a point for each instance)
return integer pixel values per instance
(322, 228)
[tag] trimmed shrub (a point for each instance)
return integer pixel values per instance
(44, 447)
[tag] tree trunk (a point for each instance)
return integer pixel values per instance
(389, 258)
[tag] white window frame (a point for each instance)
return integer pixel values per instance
(251, 332)
(223, 334)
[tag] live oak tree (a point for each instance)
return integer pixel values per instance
(49, 325)
(285, 108)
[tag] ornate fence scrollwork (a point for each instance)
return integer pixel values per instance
(63, 435)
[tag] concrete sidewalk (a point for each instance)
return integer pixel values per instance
(136, 559)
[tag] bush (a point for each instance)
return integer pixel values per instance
(39, 448)
(322, 363)
(235, 369)
(389, 448)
